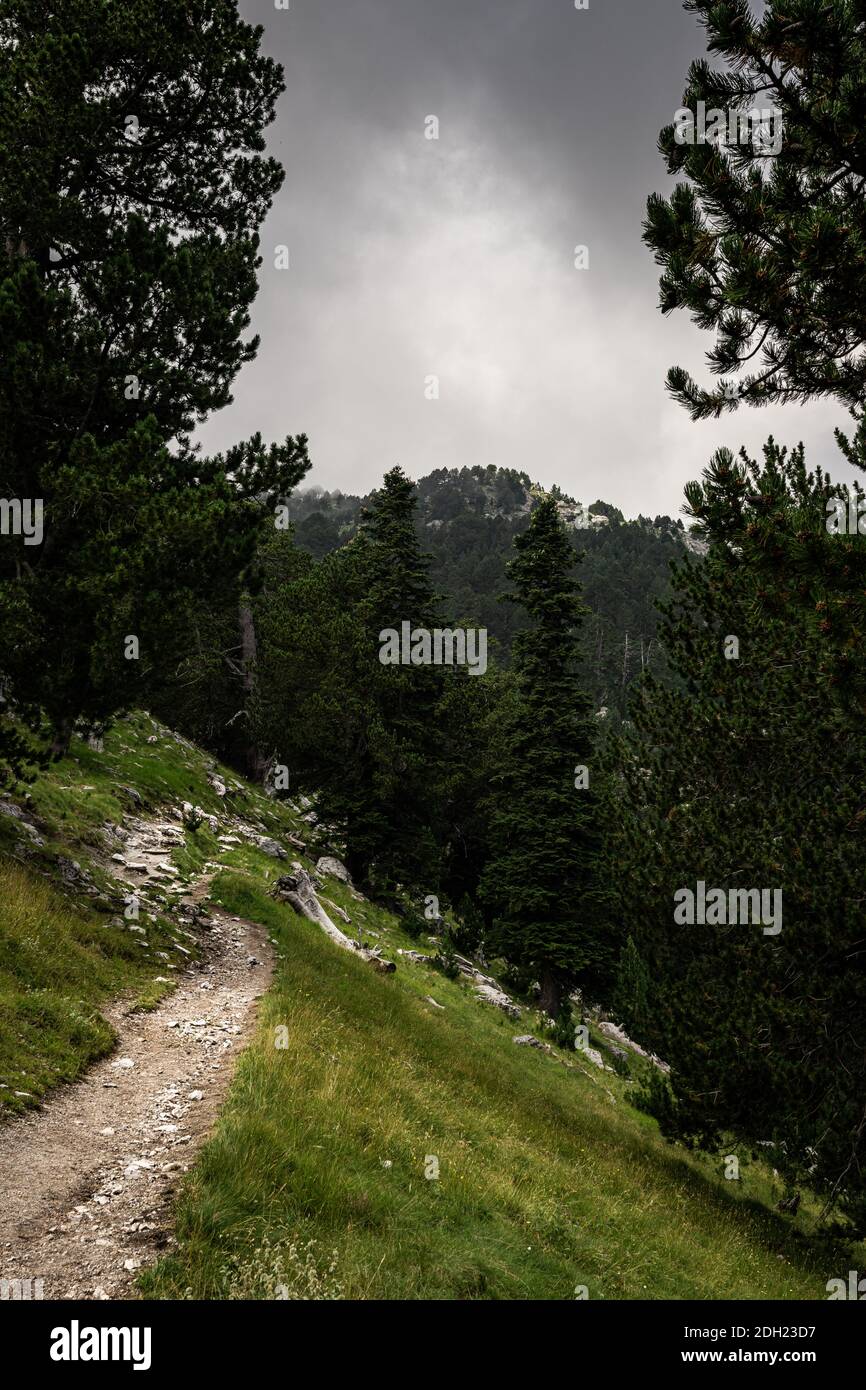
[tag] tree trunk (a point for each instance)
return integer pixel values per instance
(61, 739)
(254, 763)
(297, 890)
(551, 993)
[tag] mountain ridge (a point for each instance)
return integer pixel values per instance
(467, 519)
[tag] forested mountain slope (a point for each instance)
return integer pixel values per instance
(467, 520)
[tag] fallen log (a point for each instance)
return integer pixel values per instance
(297, 890)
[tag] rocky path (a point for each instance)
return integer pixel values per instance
(88, 1179)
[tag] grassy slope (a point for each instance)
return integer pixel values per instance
(315, 1176)
(58, 963)
(64, 956)
(544, 1183)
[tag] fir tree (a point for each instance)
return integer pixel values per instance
(631, 990)
(470, 712)
(749, 776)
(541, 882)
(386, 791)
(365, 734)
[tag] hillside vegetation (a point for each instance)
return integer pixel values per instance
(320, 1178)
(66, 947)
(630, 811)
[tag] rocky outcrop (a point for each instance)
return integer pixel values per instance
(271, 847)
(9, 808)
(486, 988)
(528, 1040)
(618, 1035)
(492, 994)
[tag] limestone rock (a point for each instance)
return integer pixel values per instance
(492, 995)
(269, 846)
(328, 864)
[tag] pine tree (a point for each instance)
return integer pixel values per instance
(750, 772)
(386, 792)
(132, 185)
(541, 880)
(766, 242)
(305, 627)
(470, 714)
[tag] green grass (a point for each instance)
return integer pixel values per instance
(63, 958)
(545, 1182)
(58, 963)
(549, 1179)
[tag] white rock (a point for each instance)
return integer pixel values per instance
(328, 864)
(595, 1057)
(492, 995)
(269, 846)
(136, 1165)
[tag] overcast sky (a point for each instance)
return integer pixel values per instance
(454, 258)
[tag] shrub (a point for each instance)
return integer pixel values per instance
(655, 1097)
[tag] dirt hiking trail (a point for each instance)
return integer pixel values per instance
(89, 1178)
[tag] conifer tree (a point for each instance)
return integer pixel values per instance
(747, 776)
(631, 990)
(766, 242)
(372, 749)
(386, 789)
(132, 185)
(470, 715)
(541, 882)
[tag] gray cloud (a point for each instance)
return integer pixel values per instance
(454, 258)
